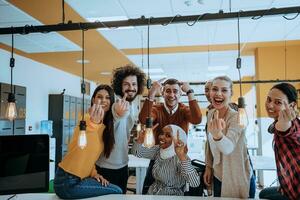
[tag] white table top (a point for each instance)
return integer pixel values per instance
(45, 196)
(137, 162)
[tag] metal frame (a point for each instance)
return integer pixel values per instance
(144, 21)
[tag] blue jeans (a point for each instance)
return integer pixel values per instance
(217, 186)
(271, 193)
(68, 186)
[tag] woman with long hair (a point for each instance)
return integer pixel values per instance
(76, 176)
(281, 104)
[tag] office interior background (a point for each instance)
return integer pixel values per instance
(195, 51)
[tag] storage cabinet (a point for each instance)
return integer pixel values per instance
(65, 112)
(17, 126)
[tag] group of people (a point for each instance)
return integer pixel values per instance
(102, 166)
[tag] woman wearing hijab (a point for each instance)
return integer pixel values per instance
(172, 168)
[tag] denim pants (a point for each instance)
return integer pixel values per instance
(217, 186)
(68, 186)
(272, 193)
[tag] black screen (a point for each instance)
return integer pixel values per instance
(24, 164)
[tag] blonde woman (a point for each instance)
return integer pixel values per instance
(228, 166)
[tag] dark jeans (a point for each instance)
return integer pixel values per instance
(149, 178)
(68, 186)
(118, 177)
(271, 193)
(217, 186)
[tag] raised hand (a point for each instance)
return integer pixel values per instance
(185, 87)
(155, 88)
(286, 115)
(180, 147)
(96, 113)
(216, 125)
(121, 106)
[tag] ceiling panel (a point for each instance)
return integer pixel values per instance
(97, 8)
(35, 42)
(194, 66)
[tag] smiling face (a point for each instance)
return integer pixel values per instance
(130, 87)
(274, 102)
(220, 93)
(171, 94)
(166, 138)
(102, 97)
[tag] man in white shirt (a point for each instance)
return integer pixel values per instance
(128, 84)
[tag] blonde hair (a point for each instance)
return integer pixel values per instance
(225, 78)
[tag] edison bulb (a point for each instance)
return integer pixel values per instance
(11, 111)
(82, 141)
(242, 118)
(149, 140)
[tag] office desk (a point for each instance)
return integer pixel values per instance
(140, 165)
(45, 196)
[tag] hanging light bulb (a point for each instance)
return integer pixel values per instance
(242, 114)
(82, 140)
(138, 127)
(11, 109)
(149, 140)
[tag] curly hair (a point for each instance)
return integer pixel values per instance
(121, 73)
(108, 133)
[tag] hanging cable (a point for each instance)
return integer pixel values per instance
(239, 60)
(229, 5)
(199, 18)
(292, 18)
(82, 73)
(168, 23)
(63, 11)
(12, 61)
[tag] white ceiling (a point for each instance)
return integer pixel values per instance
(184, 66)
(35, 42)
(191, 66)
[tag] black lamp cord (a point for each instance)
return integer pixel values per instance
(63, 11)
(239, 60)
(12, 61)
(82, 72)
(148, 62)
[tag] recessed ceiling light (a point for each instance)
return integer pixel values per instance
(84, 61)
(105, 73)
(217, 68)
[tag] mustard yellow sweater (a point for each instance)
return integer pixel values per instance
(81, 162)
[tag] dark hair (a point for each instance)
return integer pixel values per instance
(121, 73)
(289, 90)
(171, 81)
(108, 133)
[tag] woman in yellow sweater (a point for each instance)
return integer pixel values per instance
(76, 176)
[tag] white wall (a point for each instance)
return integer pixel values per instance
(40, 80)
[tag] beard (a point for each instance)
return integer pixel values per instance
(130, 98)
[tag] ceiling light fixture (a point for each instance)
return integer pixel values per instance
(83, 61)
(149, 140)
(82, 140)
(11, 109)
(242, 114)
(105, 73)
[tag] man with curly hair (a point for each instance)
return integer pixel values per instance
(128, 83)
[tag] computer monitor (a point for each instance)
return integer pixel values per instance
(24, 164)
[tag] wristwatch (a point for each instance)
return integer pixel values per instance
(189, 91)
